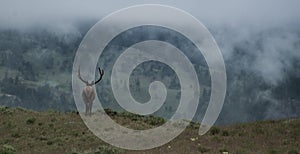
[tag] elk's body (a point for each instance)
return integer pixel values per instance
(88, 96)
(88, 93)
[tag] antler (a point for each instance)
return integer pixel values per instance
(101, 75)
(93, 83)
(79, 76)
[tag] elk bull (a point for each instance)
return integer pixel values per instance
(88, 93)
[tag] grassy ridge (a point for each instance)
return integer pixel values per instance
(24, 131)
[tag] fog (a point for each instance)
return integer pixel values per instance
(232, 22)
(266, 13)
(260, 37)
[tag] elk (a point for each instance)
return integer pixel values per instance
(88, 93)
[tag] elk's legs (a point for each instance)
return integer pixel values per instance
(88, 108)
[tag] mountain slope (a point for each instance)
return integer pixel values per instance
(24, 131)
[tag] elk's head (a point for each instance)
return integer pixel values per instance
(101, 72)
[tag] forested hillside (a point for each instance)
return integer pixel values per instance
(36, 66)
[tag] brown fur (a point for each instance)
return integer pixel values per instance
(88, 95)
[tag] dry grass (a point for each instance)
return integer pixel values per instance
(24, 131)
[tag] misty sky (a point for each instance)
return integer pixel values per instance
(232, 23)
(21, 14)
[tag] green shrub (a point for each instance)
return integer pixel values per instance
(258, 130)
(110, 112)
(194, 125)
(43, 138)
(51, 111)
(155, 121)
(202, 149)
(8, 149)
(53, 120)
(242, 151)
(273, 151)
(3, 108)
(51, 125)
(49, 142)
(225, 133)
(30, 121)
(293, 152)
(10, 125)
(214, 131)
(15, 135)
(216, 139)
(108, 150)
